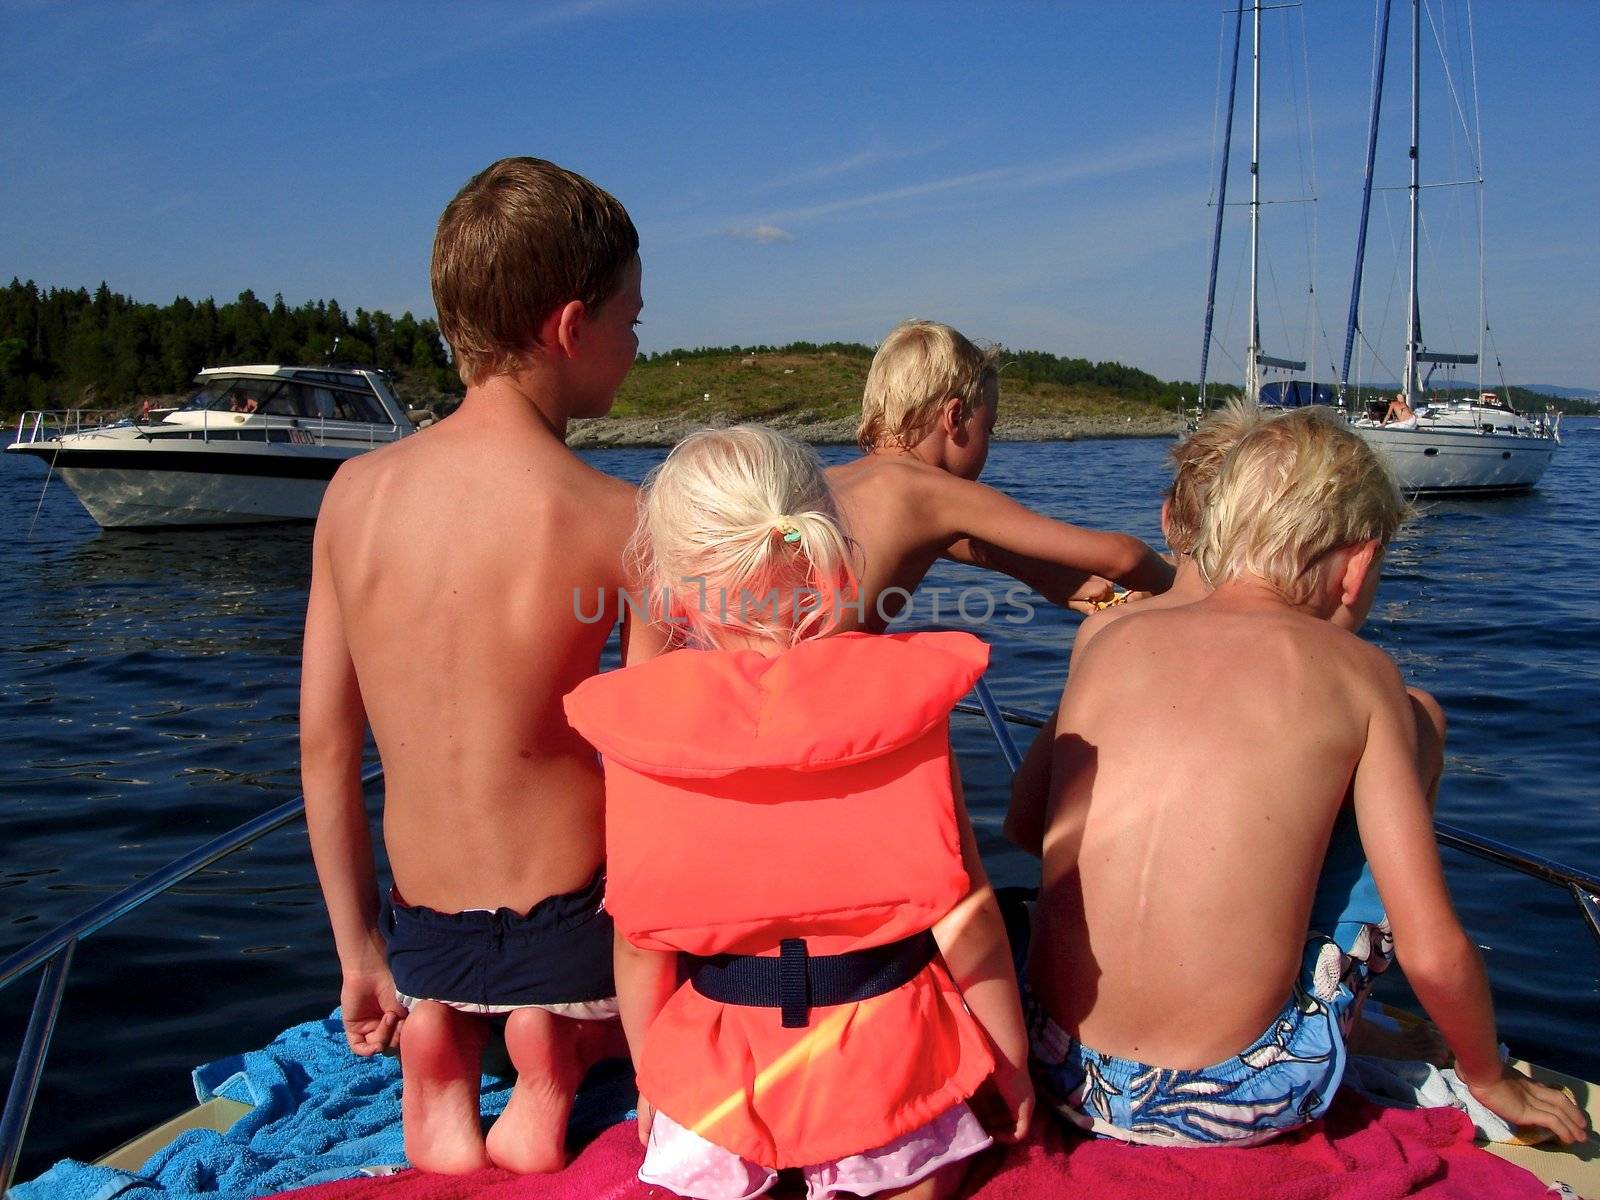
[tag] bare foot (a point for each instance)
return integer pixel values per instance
(530, 1136)
(439, 1049)
(1420, 1042)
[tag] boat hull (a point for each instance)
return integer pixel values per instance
(181, 487)
(1439, 462)
(255, 444)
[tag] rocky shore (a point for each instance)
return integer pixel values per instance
(666, 431)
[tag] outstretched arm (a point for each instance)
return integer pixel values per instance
(972, 940)
(1068, 587)
(1441, 963)
(332, 727)
(1011, 533)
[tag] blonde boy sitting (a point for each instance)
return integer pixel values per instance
(1202, 755)
(928, 410)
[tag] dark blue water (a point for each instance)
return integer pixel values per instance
(147, 702)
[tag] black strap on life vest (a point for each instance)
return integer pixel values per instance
(796, 982)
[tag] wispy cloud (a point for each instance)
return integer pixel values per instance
(812, 212)
(870, 156)
(1163, 149)
(404, 56)
(765, 234)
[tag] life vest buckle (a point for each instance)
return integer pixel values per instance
(794, 983)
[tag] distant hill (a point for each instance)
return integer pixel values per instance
(771, 380)
(814, 393)
(1564, 393)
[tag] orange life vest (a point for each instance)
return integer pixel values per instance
(752, 799)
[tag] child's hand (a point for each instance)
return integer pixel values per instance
(647, 1117)
(1092, 595)
(1521, 1101)
(1005, 1104)
(370, 1011)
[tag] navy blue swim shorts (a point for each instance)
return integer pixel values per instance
(557, 957)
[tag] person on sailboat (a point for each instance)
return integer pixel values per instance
(1400, 415)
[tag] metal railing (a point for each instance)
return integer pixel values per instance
(56, 948)
(41, 424)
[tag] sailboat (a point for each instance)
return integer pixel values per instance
(1477, 446)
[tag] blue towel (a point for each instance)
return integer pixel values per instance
(321, 1114)
(1404, 1084)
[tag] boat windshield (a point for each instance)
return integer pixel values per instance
(329, 399)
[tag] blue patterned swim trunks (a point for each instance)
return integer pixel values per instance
(1282, 1080)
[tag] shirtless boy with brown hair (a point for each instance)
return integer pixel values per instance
(1202, 756)
(442, 615)
(928, 409)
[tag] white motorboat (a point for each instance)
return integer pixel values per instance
(255, 444)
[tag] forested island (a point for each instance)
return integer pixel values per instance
(71, 348)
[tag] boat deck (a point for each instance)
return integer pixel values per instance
(1576, 1166)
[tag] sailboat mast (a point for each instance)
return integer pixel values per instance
(1413, 323)
(1252, 367)
(1351, 324)
(1222, 205)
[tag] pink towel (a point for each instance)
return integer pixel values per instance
(606, 1169)
(1358, 1152)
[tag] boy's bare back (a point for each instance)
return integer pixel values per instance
(459, 588)
(890, 506)
(1194, 815)
(458, 561)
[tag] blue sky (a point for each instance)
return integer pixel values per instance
(1036, 174)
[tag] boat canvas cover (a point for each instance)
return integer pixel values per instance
(1296, 393)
